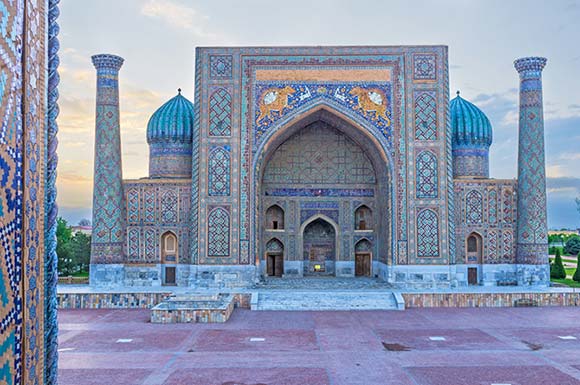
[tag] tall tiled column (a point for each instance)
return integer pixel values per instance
(108, 207)
(532, 227)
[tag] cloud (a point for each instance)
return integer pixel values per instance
(570, 185)
(73, 178)
(177, 16)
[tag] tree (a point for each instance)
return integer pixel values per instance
(576, 276)
(557, 270)
(63, 247)
(81, 251)
(572, 246)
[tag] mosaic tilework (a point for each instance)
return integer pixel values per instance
(424, 67)
(219, 172)
(427, 234)
(170, 159)
(220, 110)
(133, 205)
(373, 101)
(133, 244)
(33, 203)
(169, 206)
(155, 206)
(51, 208)
(474, 207)
(11, 153)
(492, 206)
(218, 232)
(426, 115)
(532, 220)
(480, 210)
(427, 175)
(319, 154)
(108, 207)
(220, 66)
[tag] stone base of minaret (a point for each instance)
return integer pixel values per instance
(533, 275)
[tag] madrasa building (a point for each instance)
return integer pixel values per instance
(319, 161)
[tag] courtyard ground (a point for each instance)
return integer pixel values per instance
(443, 346)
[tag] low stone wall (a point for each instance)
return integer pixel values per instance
(109, 300)
(127, 300)
(191, 310)
(418, 300)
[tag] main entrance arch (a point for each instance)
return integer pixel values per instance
(323, 166)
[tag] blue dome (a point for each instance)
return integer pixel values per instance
(172, 122)
(470, 127)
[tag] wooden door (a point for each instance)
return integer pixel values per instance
(270, 265)
(274, 265)
(472, 275)
(170, 275)
(362, 265)
(279, 265)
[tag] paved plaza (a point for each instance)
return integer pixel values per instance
(444, 346)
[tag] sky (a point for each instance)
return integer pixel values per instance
(157, 38)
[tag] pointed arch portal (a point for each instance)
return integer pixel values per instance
(320, 169)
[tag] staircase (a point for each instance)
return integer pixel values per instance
(326, 300)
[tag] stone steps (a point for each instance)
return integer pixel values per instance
(326, 300)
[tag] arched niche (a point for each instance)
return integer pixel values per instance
(275, 218)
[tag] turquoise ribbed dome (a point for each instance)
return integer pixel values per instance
(470, 127)
(172, 122)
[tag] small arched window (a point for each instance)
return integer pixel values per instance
(472, 244)
(363, 218)
(474, 248)
(275, 218)
(169, 247)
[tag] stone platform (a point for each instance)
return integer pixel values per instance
(444, 346)
(216, 308)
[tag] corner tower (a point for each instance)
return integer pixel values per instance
(532, 241)
(108, 207)
(169, 135)
(471, 138)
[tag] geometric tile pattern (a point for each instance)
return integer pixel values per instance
(220, 109)
(427, 234)
(51, 208)
(220, 66)
(480, 210)
(11, 171)
(474, 207)
(425, 115)
(218, 232)
(426, 166)
(163, 207)
(219, 171)
(424, 67)
(108, 211)
(319, 154)
(532, 222)
(169, 206)
(492, 206)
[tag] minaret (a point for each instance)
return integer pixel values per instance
(532, 227)
(108, 207)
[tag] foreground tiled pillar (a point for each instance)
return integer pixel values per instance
(532, 228)
(108, 207)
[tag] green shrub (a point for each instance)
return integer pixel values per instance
(557, 270)
(576, 276)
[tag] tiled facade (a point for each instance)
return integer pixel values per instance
(28, 96)
(318, 133)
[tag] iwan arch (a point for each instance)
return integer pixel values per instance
(318, 161)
